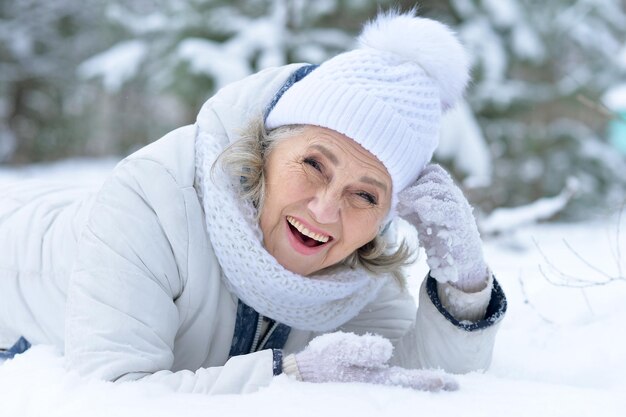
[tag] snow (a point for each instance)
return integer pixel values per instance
(115, 65)
(138, 23)
(470, 154)
(75, 171)
(208, 57)
(464, 8)
(505, 219)
(504, 13)
(228, 61)
(615, 98)
(621, 57)
(526, 43)
(487, 47)
(560, 350)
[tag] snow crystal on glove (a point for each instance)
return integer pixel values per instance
(350, 349)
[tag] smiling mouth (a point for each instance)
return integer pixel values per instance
(305, 236)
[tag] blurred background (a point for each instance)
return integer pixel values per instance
(542, 134)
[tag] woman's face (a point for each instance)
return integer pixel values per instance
(325, 197)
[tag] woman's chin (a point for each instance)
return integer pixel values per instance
(297, 266)
(300, 264)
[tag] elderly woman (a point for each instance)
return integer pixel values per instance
(212, 257)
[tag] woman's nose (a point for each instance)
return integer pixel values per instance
(324, 208)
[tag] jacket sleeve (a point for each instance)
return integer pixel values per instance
(438, 339)
(122, 318)
(428, 335)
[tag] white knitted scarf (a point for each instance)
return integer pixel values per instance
(316, 303)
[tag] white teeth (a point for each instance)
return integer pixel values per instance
(307, 232)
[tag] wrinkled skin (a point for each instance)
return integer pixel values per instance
(333, 186)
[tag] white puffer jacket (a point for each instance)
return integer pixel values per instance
(126, 281)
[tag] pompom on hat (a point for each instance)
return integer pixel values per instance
(387, 95)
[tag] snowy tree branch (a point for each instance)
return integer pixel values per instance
(506, 219)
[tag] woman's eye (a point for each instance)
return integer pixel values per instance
(370, 199)
(313, 163)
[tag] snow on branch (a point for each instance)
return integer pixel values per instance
(507, 219)
(116, 65)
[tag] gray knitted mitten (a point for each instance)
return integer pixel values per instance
(446, 229)
(347, 357)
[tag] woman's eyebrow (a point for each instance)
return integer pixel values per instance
(327, 153)
(369, 180)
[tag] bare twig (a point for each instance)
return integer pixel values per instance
(600, 108)
(614, 251)
(569, 281)
(557, 277)
(566, 280)
(528, 302)
(583, 260)
(555, 269)
(587, 301)
(618, 244)
(575, 282)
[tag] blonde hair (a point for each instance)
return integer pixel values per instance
(244, 160)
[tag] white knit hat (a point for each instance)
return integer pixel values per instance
(387, 95)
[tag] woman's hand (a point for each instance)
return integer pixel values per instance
(347, 357)
(446, 229)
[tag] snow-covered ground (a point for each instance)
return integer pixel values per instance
(561, 350)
